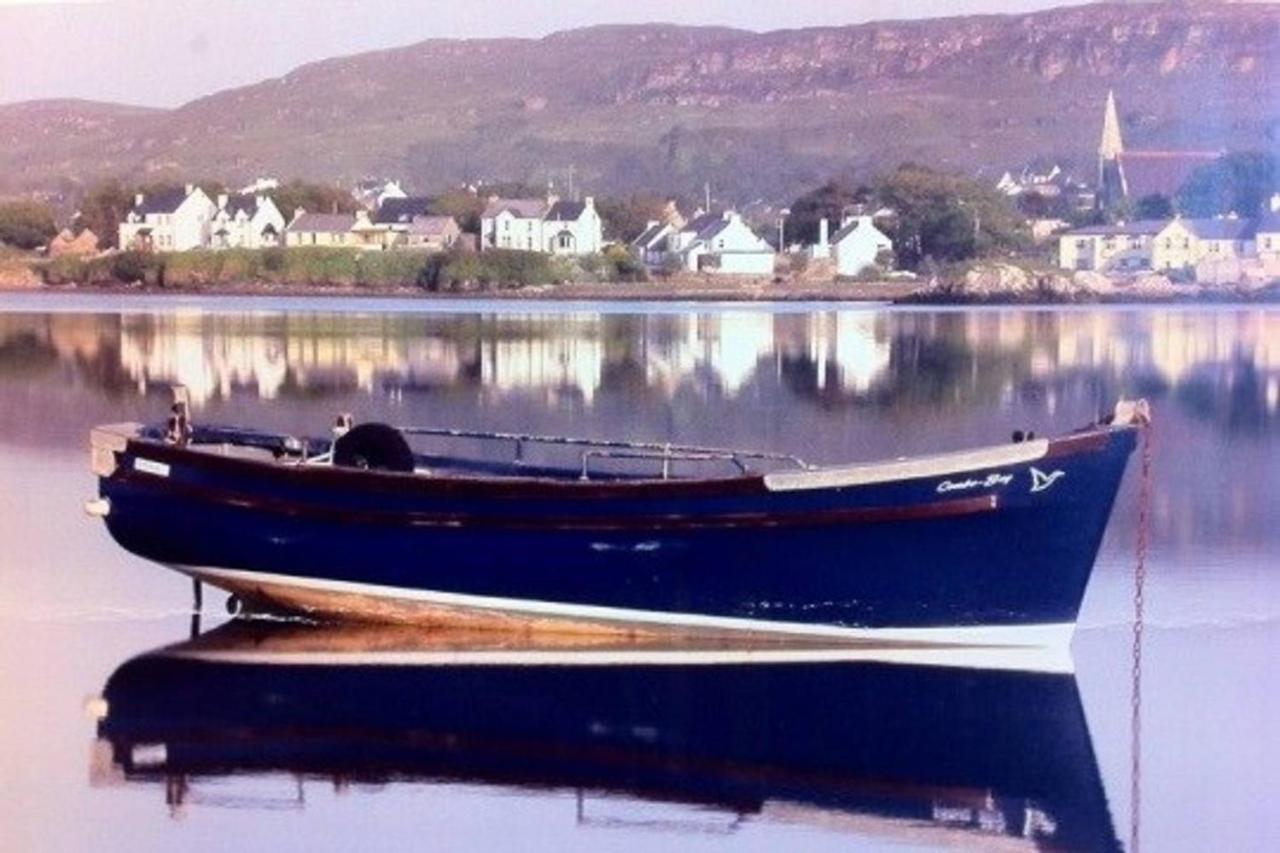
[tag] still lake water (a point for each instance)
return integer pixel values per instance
(640, 758)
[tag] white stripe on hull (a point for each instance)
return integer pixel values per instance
(383, 603)
(1021, 659)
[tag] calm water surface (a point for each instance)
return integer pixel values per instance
(639, 758)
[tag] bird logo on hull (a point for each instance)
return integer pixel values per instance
(1042, 482)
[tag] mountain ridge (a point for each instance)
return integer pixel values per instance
(665, 107)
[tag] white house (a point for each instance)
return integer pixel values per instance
(1267, 239)
(1124, 247)
(260, 185)
(171, 221)
(857, 246)
(722, 244)
(513, 223)
(1185, 243)
(373, 193)
(551, 226)
(246, 222)
(651, 247)
(573, 228)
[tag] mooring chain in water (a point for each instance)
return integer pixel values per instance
(1139, 588)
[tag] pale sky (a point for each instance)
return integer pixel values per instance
(166, 52)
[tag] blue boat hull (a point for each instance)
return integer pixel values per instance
(971, 554)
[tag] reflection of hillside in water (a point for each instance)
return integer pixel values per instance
(1222, 366)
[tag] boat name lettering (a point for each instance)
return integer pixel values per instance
(990, 481)
(148, 466)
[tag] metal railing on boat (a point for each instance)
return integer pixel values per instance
(665, 453)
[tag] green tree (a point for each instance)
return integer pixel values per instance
(829, 201)
(313, 198)
(463, 205)
(1240, 182)
(947, 217)
(1036, 205)
(1154, 206)
(26, 224)
(626, 218)
(103, 208)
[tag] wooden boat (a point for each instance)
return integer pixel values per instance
(991, 546)
(933, 752)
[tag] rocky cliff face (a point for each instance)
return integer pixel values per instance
(668, 107)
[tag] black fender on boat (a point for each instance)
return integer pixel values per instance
(374, 446)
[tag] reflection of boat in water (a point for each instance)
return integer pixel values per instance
(990, 546)
(936, 753)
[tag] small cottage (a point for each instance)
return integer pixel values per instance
(70, 244)
(245, 221)
(171, 221)
(858, 246)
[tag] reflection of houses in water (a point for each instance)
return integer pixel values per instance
(548, 353)
(849, 341)
(181, 349)
(740, 340)
(1181, 341)
(549, 364)
(727, 347)
(1172, 344)
(365, 361)
(848, 351)
(214, 355)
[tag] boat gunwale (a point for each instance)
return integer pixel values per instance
(127, 439)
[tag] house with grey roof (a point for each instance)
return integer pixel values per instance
(857, 246)
(722, 244)
(401, 211)
(1122, 247)
(1267, 238)
(175, 220)
(321, 229)
(651, 247)
(246, 221)
(1184, 244)
(551, 225)
(432, 233)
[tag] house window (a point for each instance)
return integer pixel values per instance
(566, 241)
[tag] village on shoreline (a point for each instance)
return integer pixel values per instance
(1133, 235)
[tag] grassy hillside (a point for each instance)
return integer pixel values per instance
(667, 108)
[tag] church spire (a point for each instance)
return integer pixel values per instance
(1112, 143)
(1112, 186)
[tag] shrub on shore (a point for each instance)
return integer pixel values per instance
(502, 268)
(321, 266)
